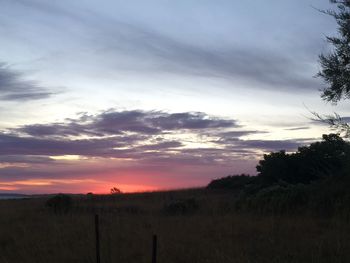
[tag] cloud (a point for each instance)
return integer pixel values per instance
(52, 8)
(105, 147)
(237, 134)
(298, 128)
(139, 135)
(345, 119)
(119, 122)
(270, 145)
(147, 136)
(230, 137)
(131, 46)
(190, 121)
(28, 159)
(267, 68)
(232, 140)
(14, 87)
(168, 145)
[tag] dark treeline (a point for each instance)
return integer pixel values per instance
(315, 179)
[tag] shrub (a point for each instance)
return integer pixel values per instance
(115, 191)
(232, 182)
(276, 199)
(328, 158)
(60, 203)
(181, 207)
(331, 197)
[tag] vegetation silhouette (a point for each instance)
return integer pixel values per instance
(60, 204)
(335, 67)
(316, 161)
(315, 179)
(233, 182)
(116, 191)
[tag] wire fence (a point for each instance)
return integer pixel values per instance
(97, 242)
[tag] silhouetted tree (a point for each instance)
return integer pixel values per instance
(330, 157)
(277, 166)
(60, 203)
(115, 191)
(335, 66)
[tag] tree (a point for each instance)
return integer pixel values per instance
(115, 191)
(277, 167)
(328, 158)
(335, 66)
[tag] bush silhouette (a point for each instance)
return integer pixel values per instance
(60, 203)
(116, 191)
(181, 207)
(328, 158)
(231, 182)
(276, 199)
(315, 179)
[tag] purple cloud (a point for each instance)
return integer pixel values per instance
(13, 86)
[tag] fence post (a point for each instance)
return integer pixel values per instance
(154, 249)
(97, 232)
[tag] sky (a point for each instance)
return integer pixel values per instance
(157, 94)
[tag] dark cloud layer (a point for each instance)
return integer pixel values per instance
(298, 128)
(136, 121)
(120, 134)
(27, 159)
(138, 135)
(346, 119)
(13, 86)
(270, 145)
(232, 140)
(17, 145)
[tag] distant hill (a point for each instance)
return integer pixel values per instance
(12, 196)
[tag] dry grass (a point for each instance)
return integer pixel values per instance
(29, 232)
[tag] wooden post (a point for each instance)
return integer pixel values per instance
(154, 249)
(97, 232)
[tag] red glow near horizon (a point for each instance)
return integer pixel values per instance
(83, 186)
(41, 186)
(129, 179)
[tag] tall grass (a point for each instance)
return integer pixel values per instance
(213, 232)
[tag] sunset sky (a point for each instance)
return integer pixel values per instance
(157, 94)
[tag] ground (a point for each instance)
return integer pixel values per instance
(192, 226)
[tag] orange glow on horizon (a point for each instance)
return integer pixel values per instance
(126, 188)
(78, 186)
(132, 179)
(8, 188)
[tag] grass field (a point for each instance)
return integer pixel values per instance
(206, 230)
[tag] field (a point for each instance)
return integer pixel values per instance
(192, 226)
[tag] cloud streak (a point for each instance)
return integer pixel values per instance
(132, 46)
(264, 67)
(14, 87)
